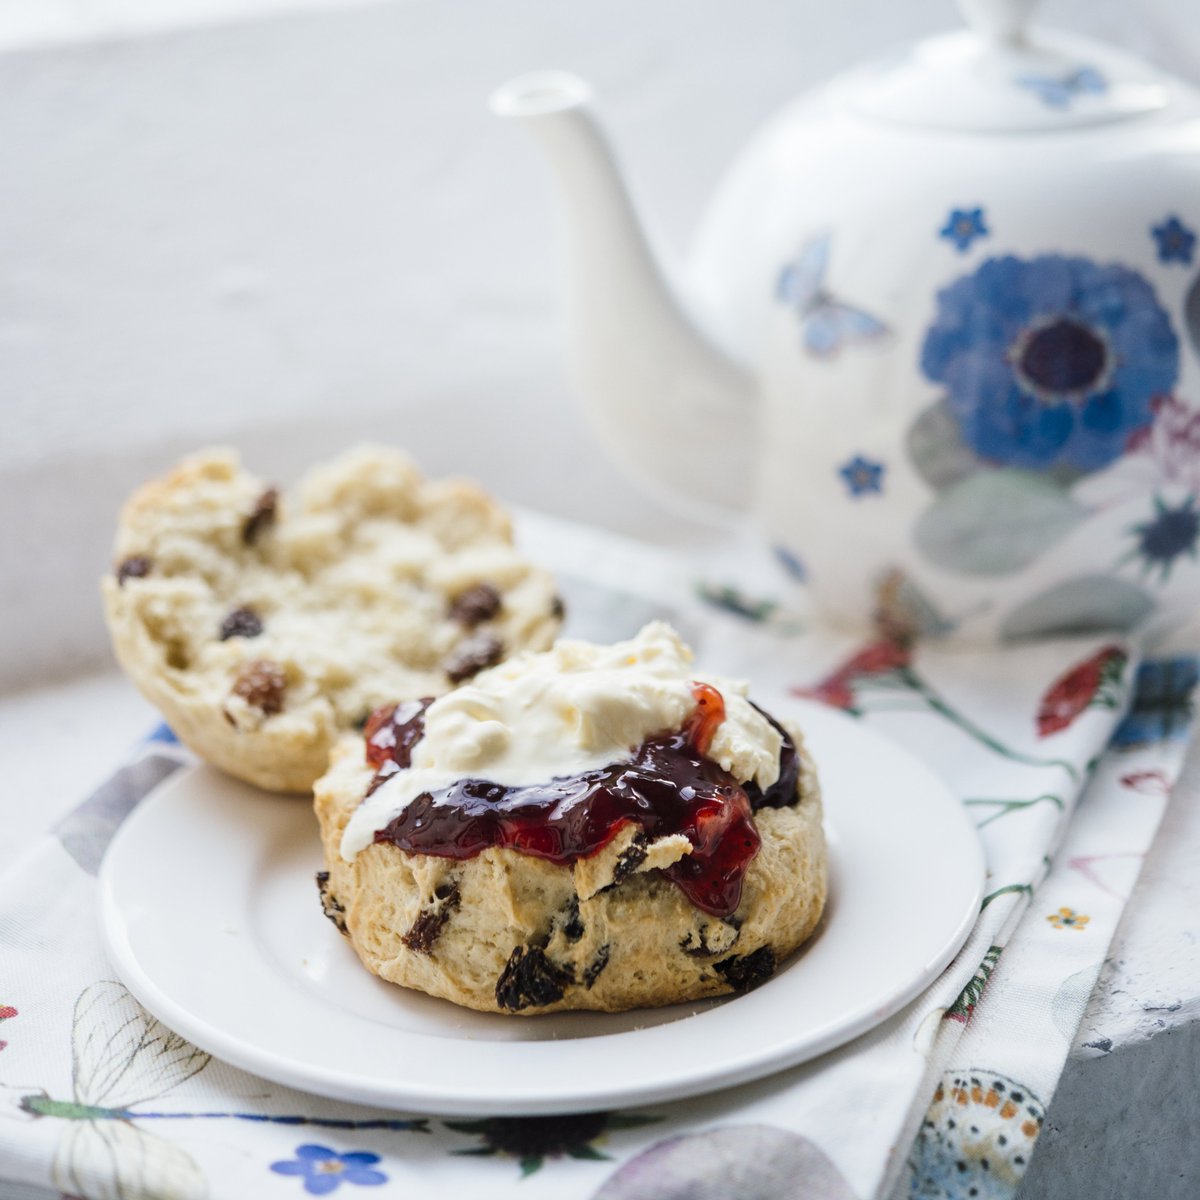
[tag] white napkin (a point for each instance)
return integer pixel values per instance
(98, 1100)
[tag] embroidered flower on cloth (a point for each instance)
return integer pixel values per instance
(324, 1170)
(1068, 918)
(963, 226)
(1051, 361)
(1094, 683)
(1176, 242)
(862, 476)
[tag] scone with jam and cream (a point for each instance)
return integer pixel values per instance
(598, 827)
(264, 625)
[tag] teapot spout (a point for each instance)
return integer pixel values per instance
(662, 396)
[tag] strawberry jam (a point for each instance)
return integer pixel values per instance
(669, 787)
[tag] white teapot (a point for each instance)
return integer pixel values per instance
(939, 332)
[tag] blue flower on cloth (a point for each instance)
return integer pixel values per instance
(1162, 703)
(1058, 91)
(1051, 361)
(862, 475)
(325, 1170)
(1176, 242)
(963, 226)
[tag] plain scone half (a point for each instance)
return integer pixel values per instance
(265, 625)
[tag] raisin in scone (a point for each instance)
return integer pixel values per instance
(264, 626)
(596, 827)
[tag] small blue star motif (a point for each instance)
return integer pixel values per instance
(963, 226)
(862, 476)
(1176, 242)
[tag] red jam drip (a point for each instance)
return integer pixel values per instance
(710, 712)
(670, 787)
(391, 733)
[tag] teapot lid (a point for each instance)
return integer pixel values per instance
(998, 77)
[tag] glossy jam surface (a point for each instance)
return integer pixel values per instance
(669, 787)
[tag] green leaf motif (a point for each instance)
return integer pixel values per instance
(631, 1120)
(995, 522)
(1089, 604)
(1008, 889)
(962, 1008)
(937, 449)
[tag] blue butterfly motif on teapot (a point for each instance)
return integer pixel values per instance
(828, 323)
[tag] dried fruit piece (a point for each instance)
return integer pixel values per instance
(471, 656)
(711, 938)
(429, 923)
(558, 609)
(531, 980)
(331, 906)
(262, 515)
(748, 971)
(136, 566)
(572, 927)
(241, 622)
(476, 605)
(596, 966)
(262, 684)
(629, 859)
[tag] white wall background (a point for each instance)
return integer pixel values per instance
(301, 227)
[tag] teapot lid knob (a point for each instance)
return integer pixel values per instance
(999, 21)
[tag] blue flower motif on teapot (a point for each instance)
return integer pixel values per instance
(1051, 362)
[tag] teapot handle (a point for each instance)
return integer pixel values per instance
(1001, 22)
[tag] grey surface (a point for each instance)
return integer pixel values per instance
(1125, 1126)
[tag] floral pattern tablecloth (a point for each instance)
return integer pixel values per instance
(1064, 752)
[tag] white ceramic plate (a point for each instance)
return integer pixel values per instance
(211, 918)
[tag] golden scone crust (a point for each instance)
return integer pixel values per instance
(507, 932)
(263, 626)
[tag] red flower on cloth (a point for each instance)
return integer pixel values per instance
(1151, 783)
(6, 1011)
(883, 670)
(1093, 683)
(1172, 441)
(876, 659)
